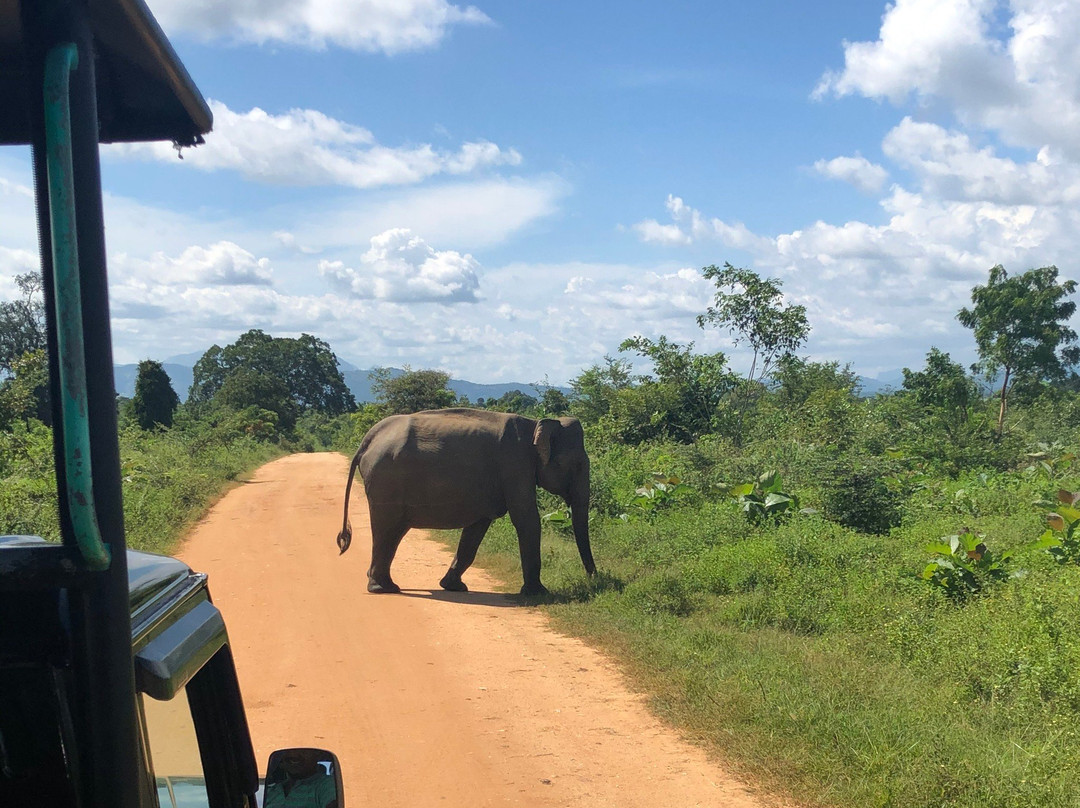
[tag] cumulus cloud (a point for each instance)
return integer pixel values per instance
(858, 171)
(388, 26)
(401, 267)
(307, 147)
(870, 284)
(689, 226)
(949, 165)
(1024, 85)
(221, 264)
(15, 262)
(962, 200)
(650, 295)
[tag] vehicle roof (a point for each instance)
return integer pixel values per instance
(143, 90)
(149, 574)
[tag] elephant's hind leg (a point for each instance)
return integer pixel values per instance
(470, 540)
(386, 535)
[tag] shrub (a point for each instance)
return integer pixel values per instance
(764, 500)
(962, 565)
(854, 494)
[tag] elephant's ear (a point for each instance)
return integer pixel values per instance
(543, 436)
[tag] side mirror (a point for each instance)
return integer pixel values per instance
(303, 778)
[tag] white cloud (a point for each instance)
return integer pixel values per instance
(306, 147)
(287, 239)
(220, 264)
(401, 267)
(389, 26)
(689, 226)
(949, 166)
(12, 263)
(1025, 85)
(18, 221)
(650, 295)
(961, 203)
(858, 171)
(869, 285)
(925, 46)
(651, 230)
(467, 215)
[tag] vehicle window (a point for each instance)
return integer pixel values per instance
(174, 753)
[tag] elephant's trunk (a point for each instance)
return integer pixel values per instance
(580, 515)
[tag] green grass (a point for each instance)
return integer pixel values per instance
(814, 660)
(170, 481)
(170, 478)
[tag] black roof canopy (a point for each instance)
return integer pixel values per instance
(143, 90)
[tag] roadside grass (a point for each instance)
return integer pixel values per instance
(814, 660)
(169, 478)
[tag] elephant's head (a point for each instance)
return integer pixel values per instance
(563, 469)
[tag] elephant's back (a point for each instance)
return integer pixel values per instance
(453, 441)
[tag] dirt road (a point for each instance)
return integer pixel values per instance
(428, 698)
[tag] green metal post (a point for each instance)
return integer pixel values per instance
(59, 63)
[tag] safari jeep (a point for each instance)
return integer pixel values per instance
(117, 684)
(192, 734)
(192, 731)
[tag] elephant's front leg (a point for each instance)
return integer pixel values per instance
(469, 543)
(526, 521)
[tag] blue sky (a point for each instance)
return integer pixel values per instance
(507, 190)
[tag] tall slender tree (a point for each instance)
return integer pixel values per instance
(155, 401)
(753, 310)
(22, 321)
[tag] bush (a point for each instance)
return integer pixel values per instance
(854, 494)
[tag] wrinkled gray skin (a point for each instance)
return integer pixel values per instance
(448, 469)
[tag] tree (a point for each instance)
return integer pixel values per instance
(413, 390)
(944, 388)
(305, 367)
(1020, 330)
(246, 388)
(795, 379)
(155, 401)
(207, 376)
(752, 310)
(22, 322)
(698, 383)
(512, 401)
(554, 402)
(25, 393)
(595, 388)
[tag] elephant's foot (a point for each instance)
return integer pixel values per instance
(534, 590)
(453, 583)
(386, 587)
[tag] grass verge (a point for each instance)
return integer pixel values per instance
(814, 662)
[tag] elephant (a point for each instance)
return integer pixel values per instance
(464, 468)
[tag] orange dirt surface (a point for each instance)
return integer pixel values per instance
(429, 698)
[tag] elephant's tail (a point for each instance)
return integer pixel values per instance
(344, 538)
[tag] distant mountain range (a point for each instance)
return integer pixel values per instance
(179, 369)
(882, 383)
